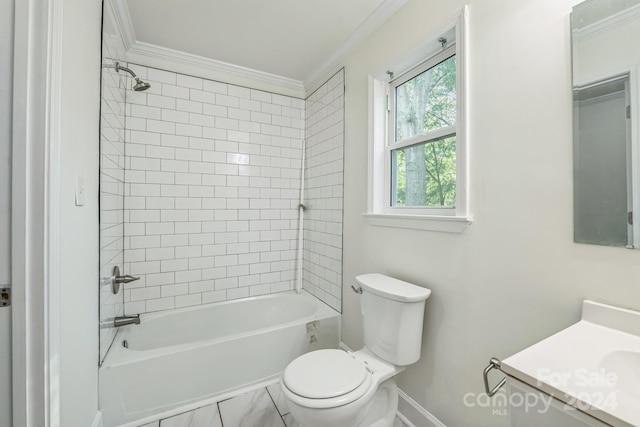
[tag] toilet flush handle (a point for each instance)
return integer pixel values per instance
(357, 290)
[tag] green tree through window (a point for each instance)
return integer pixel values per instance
(425, 173)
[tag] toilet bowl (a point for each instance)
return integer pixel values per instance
(337, 388)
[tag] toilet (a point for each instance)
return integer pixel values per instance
(337, 388)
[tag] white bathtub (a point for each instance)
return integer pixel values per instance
(180, 358)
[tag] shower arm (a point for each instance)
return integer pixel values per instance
(120, 67)
(140, 85)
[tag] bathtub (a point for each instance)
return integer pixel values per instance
(179, 359)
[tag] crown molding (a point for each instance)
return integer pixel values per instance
(160, 57)
(123, 22)
(607, 24)
(331, 64)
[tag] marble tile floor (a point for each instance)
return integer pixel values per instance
(264, 407)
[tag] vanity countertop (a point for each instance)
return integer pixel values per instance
(593, 365)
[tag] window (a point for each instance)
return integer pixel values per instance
(422, 136)
(418, 162)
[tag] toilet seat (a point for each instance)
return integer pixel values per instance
(325, 379)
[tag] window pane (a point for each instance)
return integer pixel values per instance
(427, 102)
(425, 174)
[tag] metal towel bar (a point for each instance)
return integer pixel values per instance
(494, 363)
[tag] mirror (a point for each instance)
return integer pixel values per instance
(606, 151)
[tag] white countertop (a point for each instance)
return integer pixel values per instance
(593, 365)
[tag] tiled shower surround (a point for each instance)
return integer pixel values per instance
(212, 187)
(112, 174)
(200, 185)
(323, 191)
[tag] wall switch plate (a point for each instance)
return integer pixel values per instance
(80, 189)
(5, 296)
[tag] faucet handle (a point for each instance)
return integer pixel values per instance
(125, 279)
(116, 279)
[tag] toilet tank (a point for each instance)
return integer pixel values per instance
(393, 312)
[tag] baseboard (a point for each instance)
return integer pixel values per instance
(409, 411)
(97, 421)
(414, 415)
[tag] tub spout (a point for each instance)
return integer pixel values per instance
(126, 320)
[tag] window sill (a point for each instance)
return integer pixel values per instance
(445, 224)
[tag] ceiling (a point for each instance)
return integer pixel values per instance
(287, 38)
(288, 46)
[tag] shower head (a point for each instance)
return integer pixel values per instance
(140, 85)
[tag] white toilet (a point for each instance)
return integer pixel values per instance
(340, 389)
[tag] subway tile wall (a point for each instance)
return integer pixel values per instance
(323, 192)
(112, 174)
(212, 186)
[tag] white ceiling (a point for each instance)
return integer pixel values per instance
(287, 38)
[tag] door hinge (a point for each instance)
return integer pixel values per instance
(628, 111)
(5, 296)
(630, 218)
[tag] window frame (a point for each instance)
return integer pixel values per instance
(379, 209)
(392, 144)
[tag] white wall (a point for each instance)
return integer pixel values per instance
(6, 99)
(80, 102)
(514, 276)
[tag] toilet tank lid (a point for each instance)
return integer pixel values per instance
(388, 287)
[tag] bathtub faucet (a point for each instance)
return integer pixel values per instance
(126, 320)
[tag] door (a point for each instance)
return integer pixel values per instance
(602, 165)
(6, 90)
